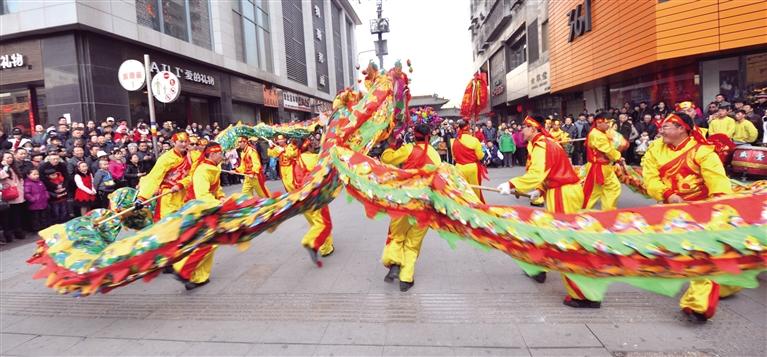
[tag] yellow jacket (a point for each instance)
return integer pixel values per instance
(171, 169)
(286, 155)
(696, 176)
(724, 126)
(250, 161)
(598, 141)
(560, 136)
(206, 182)
(745, 131)
(399, 156)
(471, 143)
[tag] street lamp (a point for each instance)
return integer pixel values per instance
(361, 52)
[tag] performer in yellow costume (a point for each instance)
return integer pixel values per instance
(550, 173)
(403, 243)
(683, 167)
(601, 181)
(468, 154)
(318, 240)
(250, 165)
(171, 173)
(194, 269)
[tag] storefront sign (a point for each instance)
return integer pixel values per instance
(516, 83)
(321, 106)
(186, 74)
(296, 101)
(165, 87)
(271, 98)
(497, 87)
(13, 60)
(579, 20)
(539, 82)
(131, 75)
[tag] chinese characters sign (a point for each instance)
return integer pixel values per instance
(131, 75)
(13, 60)
(186, 74)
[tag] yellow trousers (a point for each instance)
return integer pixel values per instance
(254, 187)
(471, 174)
(319, 236)
(403, 246)
(703, 296)
(196, 266)
(608, 192)
(169, 204)
(567, 199)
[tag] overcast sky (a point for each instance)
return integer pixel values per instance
(433, 34)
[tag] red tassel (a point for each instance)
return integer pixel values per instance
(728, 265)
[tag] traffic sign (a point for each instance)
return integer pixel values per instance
(166, 87)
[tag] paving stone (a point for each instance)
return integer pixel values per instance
(43, 346)
(487, 335)
(218, 349)
(347, 350)
(409, 334)
(183, 330)
(59, 326)
(562, 352)
(11, 340)
(94, 346)
(350, 333)
(417, 351)
(157, 348)
(282, 350)
(558, 335)
(129, 328)
(490, 351)
(679, 336)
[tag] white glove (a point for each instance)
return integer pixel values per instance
(534, 195)
(505, 188)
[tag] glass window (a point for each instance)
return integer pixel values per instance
(247, 9)
(199, 13)
(239, 41)
(545, 36)
(9, 6)
(174, 18)
(517, 53)
(148, 14)
(532, 37)
(251, 44)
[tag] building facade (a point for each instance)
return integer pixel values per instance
(570, 56)
(246, 60)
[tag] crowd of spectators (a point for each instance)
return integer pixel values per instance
(54, 174)
(743, 122)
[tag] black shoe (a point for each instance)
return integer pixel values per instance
(314, 257)
(191, 286)
(697, 316)
(539, 278)
(392, 274)
(405, 286)
(581, 304)
(168, 270)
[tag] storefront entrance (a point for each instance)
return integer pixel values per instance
(22, 108)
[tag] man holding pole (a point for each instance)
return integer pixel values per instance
(250, 167)
(171, 173)
(468, 155)
(194, 269)
(550, 173)
(601, 181)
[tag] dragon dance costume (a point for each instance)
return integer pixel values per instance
(601, 181)
(403, 242)
(206, 187)
(172, 169)
(467, 153)
(250, 165)
(549, 170)
(293, 165)
(693, 171)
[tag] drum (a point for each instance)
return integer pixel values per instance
(750, 160)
